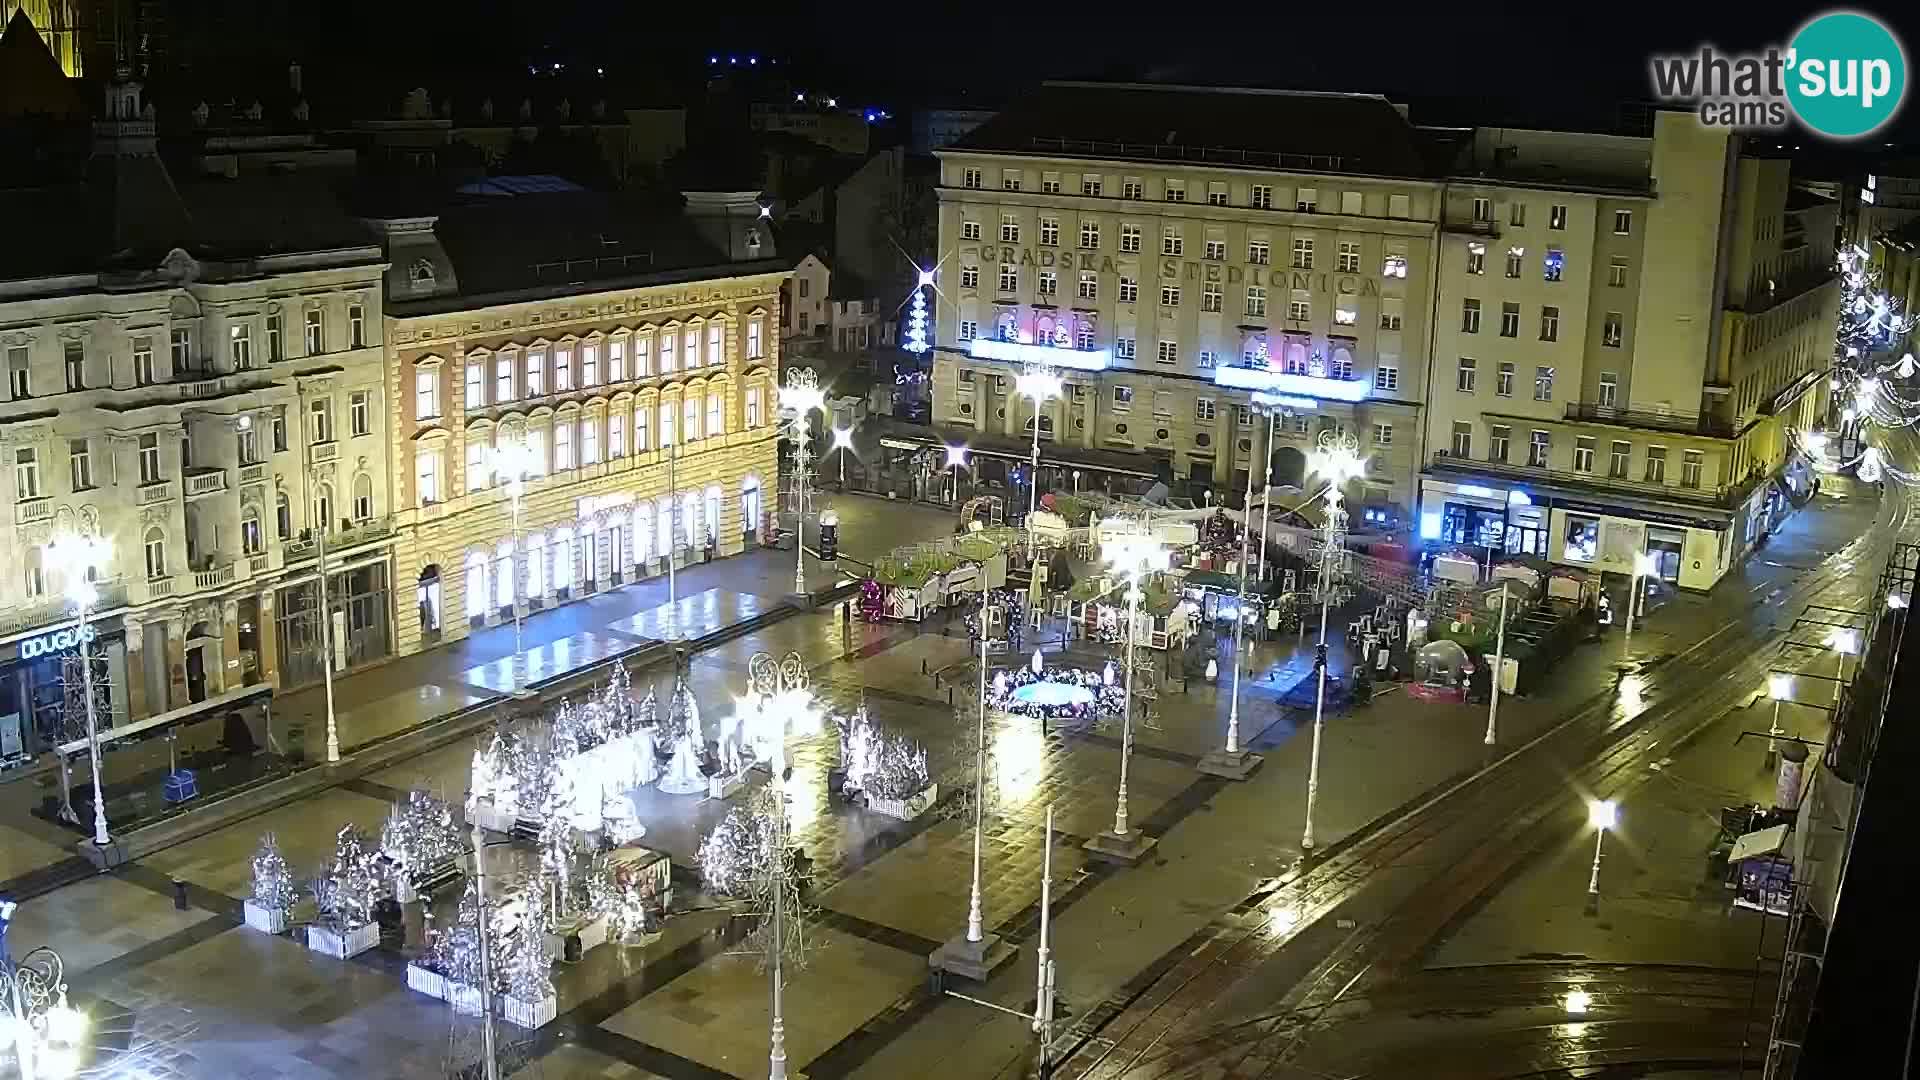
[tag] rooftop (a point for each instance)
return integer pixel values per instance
(1362, 134)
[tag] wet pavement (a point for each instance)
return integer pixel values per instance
(200, 992)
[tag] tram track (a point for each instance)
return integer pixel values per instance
(1382, 910)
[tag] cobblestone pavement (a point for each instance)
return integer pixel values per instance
(189, 994)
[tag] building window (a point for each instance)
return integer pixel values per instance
(1169, 296)
(1203, 410)
(1303, 253)
(19, 373)
(969, 329)
(1089, 285)
(1162, 405)
(1175, 190)
(754, 351)
(1122, 398)
(590, 365)
(563, 364)
(1543, 383)
(1256, 300)
(320, 415)
(1609, 388)
(970, 178)
(143, 361)
(1216, 193)
(1305, 200)
(1123, 347)
(1352, 203)
(1172, 243)
(1349, 257)
(1557, 217)
(1516, 256)
(1610, 330)
(642, 413)
(1549, 323)
(503, 378)
(1583, 454)
(1554, 264)
(1009, 229)
(26, 475)
(1390, 312)
(181, 350)
(363, 498)
(1656, 464)
(1503, 380)
(1169, 352)
(1049, 232)
(536, 452)
(426, 394)
(1517, 214)
(1260, 197)
(1009, 278)
(1129, 239)
(316, 333)
(155, 546)
(1539, 448)
(357, 325)
(1090, 186)
(1470, 316)
(1259, 252)
(969, 230)
(1509, 320)
(1009, 180)
(1476, 258)
(1462, 439)
(537, 369)
(149, 452)
(1133, 188)
(360, 410)
(716, 414)
(1083, 336)
(1210, 296)
(1466, 374)
(1583, 538)
(1690, 468)
(1622, 222)
(1299, 309)
(1049, 282)
(239, 349)
(1619, 459)
(589, 440)
(1383, 434)
(252, 542)
(1483, 209)
(1345, 316)
(1386, 376)
(1617, 272)
(1499, 439)
(283, 516)
(1206, 359)
(969, 279)
(279, 429)
(1394, 265)
(642, 356)
(1050, 183)
(477, 471)
(616, 361)
(1090, 234)
(276, 340)
(80, 463)
(426, 476)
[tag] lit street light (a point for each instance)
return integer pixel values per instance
(78, 559)
(1232, 762)
(1134, 555)
(1644, 566)
(801, 395)
(513, 462)
(1337, 460)
(1042, 385)
(843, 443)
(1779, 688)
(1499, 666)
(956, 459)
(1602, 814)
(45, 1032)
(1844, 642)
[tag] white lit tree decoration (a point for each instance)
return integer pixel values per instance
(916, 342)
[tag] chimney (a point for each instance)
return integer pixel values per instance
(293, 78)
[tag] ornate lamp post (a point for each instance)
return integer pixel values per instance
(1337, 460)
(44, 1031)
(779, 702)
(1042, 385)
(77, 558)
(801, 395)
(515, 461)
(1603, 814)
(1134, 554)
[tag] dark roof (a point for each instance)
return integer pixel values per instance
(31, 82)
(508, 243)
(1345, 133)
(1801, 199)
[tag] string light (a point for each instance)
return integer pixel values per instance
(917, 316)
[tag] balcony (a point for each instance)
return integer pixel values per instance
(112, 594)
(157, 492)
(1723, 496)
(158, 588)
(215, 576)
(258, 564)
(1702, 424)
(324, 451)
(253, 474)
(32, 511)
(201, 481)
(1487, 229)
(339, 540)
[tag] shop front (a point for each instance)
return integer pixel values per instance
(34, 674)
(361, 604)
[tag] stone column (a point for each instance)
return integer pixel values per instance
(268, 632)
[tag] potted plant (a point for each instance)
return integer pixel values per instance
(273, 892)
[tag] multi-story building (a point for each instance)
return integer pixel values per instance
(1174, 251)
(1627, 332)
(193, 373)
(638, 373)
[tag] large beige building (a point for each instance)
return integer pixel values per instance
(1175, 251)
(193, 372)
(639, 376)
(1628, 331)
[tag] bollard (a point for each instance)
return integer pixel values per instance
(949, 695)
(179, 895)
(923, 665)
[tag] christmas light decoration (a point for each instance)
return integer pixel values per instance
(881, 763)
(916, 342)
(421, 834)
(273, 886)
(345, 895)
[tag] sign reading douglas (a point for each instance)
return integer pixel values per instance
(1843, 76)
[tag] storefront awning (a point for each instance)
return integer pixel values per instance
(199, 710)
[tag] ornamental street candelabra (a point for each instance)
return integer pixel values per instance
(78, 559)
(1039, 383)
(1134, 554)
(513, 462)
(800, 396)
(1336, 460)
(46, 1033)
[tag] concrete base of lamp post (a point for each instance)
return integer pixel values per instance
(1125, 850)
(1235, 766)
(976, 960)
(104, 858)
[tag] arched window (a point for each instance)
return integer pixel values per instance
(156, 549)
(282, 516)
(420, 274)
(560, 551)
(36, 573)
(750, 505)
(322, 506)
(1007, 327)
(1296, 363)
(642, 532)
(363, 497)
(716, 413)
(713, 514)
(251, 540)
(476, 584)
(691, 520)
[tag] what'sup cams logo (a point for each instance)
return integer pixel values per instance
(1843, 76)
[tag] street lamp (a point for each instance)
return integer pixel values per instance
(1499, 665)
(1644, 566)
(1135, 555)
(1232, 762)
(956, 459)
(1337, 460)
(514, 461)
(1845, 642)
(976, 953)
(317, 434)
(1042, 385)
(78, 558)
(801, 395)
(1602, 814)
(843, 442)
(1779, 688)
(44, 1031)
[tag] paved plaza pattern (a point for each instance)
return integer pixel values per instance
(192, 994)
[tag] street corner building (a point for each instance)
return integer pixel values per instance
(633, 375)
(1573, 345)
